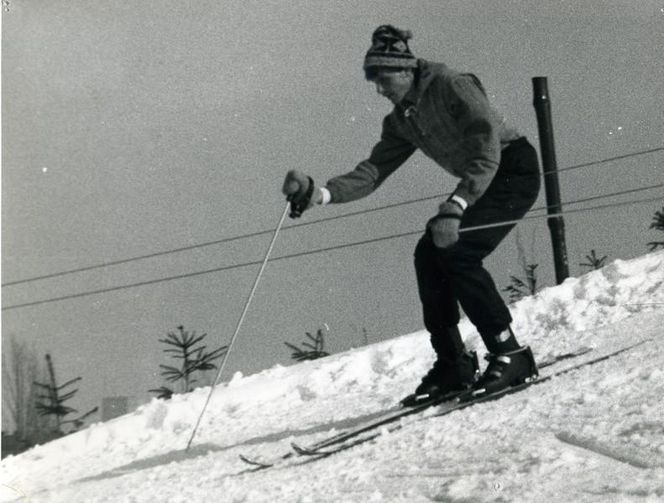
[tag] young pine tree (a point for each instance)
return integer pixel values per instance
(194, 360)
(657, 224)
(52, 403)
(593, 262)
(313, 349)
(520, 287)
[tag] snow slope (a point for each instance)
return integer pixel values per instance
(595, 434)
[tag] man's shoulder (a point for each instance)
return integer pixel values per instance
(443, 75)
(434, 70)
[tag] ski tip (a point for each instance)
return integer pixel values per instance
(300, 449)
(304, 451)
(255, 462)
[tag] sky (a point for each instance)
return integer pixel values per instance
(589, 430)
(137, 127)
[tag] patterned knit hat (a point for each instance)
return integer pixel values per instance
(389, 48)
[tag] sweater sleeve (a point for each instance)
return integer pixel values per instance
(479, 126)
(386, 156)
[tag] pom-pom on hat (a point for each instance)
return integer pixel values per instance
(389, 48)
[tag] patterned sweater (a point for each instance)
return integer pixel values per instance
(446, 114)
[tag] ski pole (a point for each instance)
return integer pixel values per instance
(222, 366)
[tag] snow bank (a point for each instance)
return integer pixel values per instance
(486, 453)
(599, 298)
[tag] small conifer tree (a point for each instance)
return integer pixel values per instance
(657, 224)
(520, 287)
(593, 262)
(314, 348)
(187, 347)
(53, 402)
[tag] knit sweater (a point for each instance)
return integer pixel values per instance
(447, 115)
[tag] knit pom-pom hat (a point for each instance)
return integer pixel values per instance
(389, 48)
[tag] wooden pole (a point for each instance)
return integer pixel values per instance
(556, 224)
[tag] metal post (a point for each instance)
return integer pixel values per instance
(556, 224)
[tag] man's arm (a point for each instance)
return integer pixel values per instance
(386, 156)
(479, 125)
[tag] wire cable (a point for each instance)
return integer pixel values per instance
(312, 252)
(608, 159)
(302, 224)
(604, 196)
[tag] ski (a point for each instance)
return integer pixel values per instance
(390, 416)
(255, 462)
(639, 458)
(466, 400)
(447, 402)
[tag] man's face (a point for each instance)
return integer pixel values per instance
(393, 84)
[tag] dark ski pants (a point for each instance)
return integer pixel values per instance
(455, 275)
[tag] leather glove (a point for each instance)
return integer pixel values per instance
(444, 227)
(300, 190)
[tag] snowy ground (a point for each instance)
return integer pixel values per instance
(592, 435)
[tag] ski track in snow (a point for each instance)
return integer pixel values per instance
(595, 434)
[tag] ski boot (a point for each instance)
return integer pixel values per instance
(505, 370)
(447, 378)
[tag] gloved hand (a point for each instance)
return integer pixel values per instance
(300, 190)
(444, 227)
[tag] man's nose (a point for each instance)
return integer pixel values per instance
(380, 89)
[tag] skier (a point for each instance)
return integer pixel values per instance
(446, 114)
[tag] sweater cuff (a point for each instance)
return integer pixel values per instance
(460, 201)
(327, 197)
